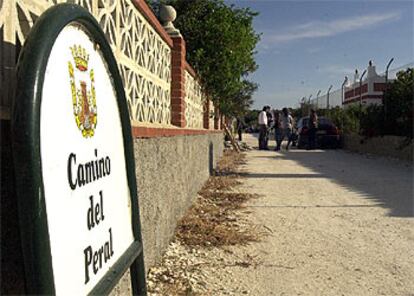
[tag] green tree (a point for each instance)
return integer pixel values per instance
(242, 100)
(220, 42)
(399, 100)
(297, 113)
(250, 118)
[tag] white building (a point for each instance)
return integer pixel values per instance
(370, 91)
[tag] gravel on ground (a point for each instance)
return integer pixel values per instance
(335, 223)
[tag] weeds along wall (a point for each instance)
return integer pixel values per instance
(387, 146)
(176, 128)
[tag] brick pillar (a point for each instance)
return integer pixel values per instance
(178, 82)
(206, 118)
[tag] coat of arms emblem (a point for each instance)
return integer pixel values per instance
(83, 91)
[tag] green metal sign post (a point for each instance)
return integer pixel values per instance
(74, 160)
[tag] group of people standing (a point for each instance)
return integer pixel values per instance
(283, 125)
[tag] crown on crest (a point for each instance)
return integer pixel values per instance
(81, 57)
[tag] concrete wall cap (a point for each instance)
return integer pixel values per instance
(167, 16)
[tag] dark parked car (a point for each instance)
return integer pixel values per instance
(327, 135)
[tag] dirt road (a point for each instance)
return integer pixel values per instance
(331, 223)
(340, 224)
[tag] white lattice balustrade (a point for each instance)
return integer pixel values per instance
(211, 115)
(144, 58)
(194, 100)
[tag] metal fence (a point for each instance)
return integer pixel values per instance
(392, 74)
(335, 97)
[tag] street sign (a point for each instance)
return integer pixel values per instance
(74, 161)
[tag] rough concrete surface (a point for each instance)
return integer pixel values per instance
(170, 171)
(338, 223)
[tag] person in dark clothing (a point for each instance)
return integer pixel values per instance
(269, 115)
(240, 126)
(277, 125)
(262, 120)
(313, 127)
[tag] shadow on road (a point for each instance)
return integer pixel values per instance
(388, 182)
(256, 175)
(315, 207)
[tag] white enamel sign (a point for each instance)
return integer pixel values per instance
(83, 164)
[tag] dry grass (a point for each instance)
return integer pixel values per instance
(213, 219)
(229, 163)
(221, 183)
(214, 223)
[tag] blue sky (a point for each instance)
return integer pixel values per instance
(309, 45)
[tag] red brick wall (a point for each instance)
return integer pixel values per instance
(178, 64)
(379, 86)
(356, 91)
(152, 19)
(349, 94)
